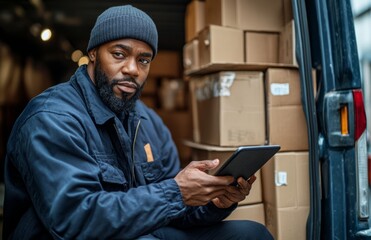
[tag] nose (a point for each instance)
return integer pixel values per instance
(131, 67)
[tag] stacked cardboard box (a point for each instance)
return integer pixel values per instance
(287, 44)
(229, 108)
(286, 194)
(215, 30)
(245, 90)
(194, 19)
(286, 123)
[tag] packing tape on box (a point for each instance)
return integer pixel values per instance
(281, 178)
(217, 85)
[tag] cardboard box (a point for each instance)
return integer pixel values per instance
(286, 223)
(287, 45)
(193, 82)
(261, 47)
(287, 11)
(230, 108)
(253, 212)
(180, 126)
(262, 15)
(194, 19)
(220, 45)
(172, 94)
(286, 124)
(286, 180)
(166, 64)
(286, 195)
(221, 13)
(191, 56)
(287, 127)
(209, 152)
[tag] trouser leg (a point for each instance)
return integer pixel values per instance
(234, 230)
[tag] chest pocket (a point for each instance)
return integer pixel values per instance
(152, 171)
(112, 176)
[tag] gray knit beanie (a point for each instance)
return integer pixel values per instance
(123, 22)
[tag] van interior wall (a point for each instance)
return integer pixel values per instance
(21, 78)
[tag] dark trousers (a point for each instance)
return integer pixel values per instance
(233, 230)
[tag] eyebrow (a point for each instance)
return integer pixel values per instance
(130, 49)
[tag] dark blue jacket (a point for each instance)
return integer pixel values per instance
(73, 172)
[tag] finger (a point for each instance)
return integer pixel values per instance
(203, 197)
(230, 198)
(235, 193)
(244, 186)
(223, 181)
(242, 183)
(222, 202)
(220, 192)
(252, 179)
(204, 164)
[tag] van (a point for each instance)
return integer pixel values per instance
(336, 120)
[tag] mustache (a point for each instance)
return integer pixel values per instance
(125, 79)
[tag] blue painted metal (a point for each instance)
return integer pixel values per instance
(326, 41)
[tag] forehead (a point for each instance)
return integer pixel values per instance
(129, 44)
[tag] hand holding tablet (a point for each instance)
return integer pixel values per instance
(246, 161)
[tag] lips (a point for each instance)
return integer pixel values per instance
(127, 87)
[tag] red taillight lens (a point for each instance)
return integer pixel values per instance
(359, 114)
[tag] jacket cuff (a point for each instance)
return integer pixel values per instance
(174, 199)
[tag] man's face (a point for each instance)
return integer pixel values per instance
(120, 71)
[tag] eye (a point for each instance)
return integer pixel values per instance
(145, 61)
(118, 55)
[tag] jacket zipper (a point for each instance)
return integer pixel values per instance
(133, 148)
(131, 176)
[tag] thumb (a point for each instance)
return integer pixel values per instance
(205, 164)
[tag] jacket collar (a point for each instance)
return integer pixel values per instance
(96, 107)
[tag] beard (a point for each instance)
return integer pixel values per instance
(105, 87)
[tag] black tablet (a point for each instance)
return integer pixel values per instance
(247, 160)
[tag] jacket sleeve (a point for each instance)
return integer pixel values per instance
(62, 180)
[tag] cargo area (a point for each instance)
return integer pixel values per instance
(230, 79)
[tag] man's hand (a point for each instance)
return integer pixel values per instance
(198, 188)
(235, 193)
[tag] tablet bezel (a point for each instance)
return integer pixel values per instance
(246, 161)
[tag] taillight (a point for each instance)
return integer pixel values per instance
(359, 114)
(360, 139)
(345, 120)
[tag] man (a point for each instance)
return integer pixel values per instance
(87, 160)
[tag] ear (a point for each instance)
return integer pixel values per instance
(92, 55)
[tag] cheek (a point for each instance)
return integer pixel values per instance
(141, 81)
(142, 78)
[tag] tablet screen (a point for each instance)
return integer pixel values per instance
(247, 160)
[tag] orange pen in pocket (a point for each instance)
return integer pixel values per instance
(149, 154)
